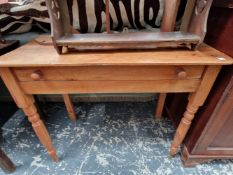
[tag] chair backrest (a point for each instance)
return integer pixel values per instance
(193, 22)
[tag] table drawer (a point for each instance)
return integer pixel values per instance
(108, 73)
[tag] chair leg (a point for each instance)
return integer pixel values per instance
(160, 106)
(5, 163)
(70, 107)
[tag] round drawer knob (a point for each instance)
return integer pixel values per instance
(181, 73)
(37, 75)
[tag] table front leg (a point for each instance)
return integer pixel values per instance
(196, 100)
(40, 129)
(183, 127)
(26, 103)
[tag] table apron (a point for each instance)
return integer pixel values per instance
(120, 86)
(107, 73)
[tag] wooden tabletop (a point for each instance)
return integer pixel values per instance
(34, 54)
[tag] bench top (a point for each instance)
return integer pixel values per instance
(35, 54)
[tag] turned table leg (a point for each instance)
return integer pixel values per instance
(196, 100)
(26, 103)
(40, 130)
(183, 127)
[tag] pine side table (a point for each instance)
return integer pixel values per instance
(38, 69)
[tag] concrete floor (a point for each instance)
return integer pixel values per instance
(108, 138)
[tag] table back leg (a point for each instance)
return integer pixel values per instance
(69, 107)
(160, 106)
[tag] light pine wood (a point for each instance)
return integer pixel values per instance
(36, 75)
(181, 73)
(183, 128)
(160, 106)
(196, 100)
(22, 57)
(108, 73)
(70, 107)
(170, 14)
(37, 69)
(40, 130)
(111, 73)
(26, 102)
(208, 79)
(82, 87)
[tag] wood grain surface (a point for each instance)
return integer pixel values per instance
(35, 55)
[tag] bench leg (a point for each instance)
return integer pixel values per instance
(70, 107)
(160, 106)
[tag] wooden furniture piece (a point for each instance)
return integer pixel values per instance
(191, 34)
(160, 106)
(193, 29)
(5, 163)
(110, 72)
(212, 137)
(69, 107)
